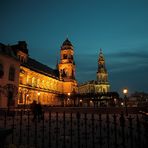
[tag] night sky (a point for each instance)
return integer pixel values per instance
(119, 27)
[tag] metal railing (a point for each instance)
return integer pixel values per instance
(75, 129)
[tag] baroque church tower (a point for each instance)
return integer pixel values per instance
(66, 67)
(102, 74)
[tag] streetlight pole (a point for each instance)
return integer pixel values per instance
(69, 101)
(38, 96)
(26, 96)
(125, 92)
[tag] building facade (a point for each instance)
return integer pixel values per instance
(101, 85)
(44, 84)
(41, 83)
(9, 76)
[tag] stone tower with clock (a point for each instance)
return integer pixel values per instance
(66, 67)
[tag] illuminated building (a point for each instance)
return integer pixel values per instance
(42, 83)
(101, 85)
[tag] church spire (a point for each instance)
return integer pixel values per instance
(102, 75)
(101, 62)
(101, 50)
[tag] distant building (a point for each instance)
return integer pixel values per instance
(40, 82)
(101, 85)
(9, 76)
(139, 99)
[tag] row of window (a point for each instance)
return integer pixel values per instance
(11, 74)
(32, 81)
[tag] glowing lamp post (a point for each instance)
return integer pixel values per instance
(81, 102)
(38, 96)
(68, 99)
(27, 98)
(125, 92)
(122, 103)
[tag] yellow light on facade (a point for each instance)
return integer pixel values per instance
(68, 94)
(38, 93)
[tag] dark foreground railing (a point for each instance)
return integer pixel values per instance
(79, 128)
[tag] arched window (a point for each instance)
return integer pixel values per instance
(64, 56)
(38, 82)
(104, 90)
(1, 70)
(21, 79)
(20, 97)
(34, 82)
(11, 73)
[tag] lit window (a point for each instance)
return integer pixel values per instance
(34, 82)
(21, 80)
(64, 56)
(20, 97)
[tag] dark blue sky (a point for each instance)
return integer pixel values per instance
(119, 27)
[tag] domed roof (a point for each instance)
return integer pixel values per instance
(67, 42)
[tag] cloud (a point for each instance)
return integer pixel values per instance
(127, 60)
(128, 69)
(128, 54)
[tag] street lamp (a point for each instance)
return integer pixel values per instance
(122, 103)
(81, 102)
(25, 101)
(27, 97)
(68, 99)
(90, 103)
(125, 92)
(38, 96)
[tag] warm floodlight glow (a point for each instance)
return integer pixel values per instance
(125, 91)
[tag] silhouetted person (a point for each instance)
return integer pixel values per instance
(34, 109)
(122, 119)
(39, 111)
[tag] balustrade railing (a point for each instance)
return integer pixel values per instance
(75, 129)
